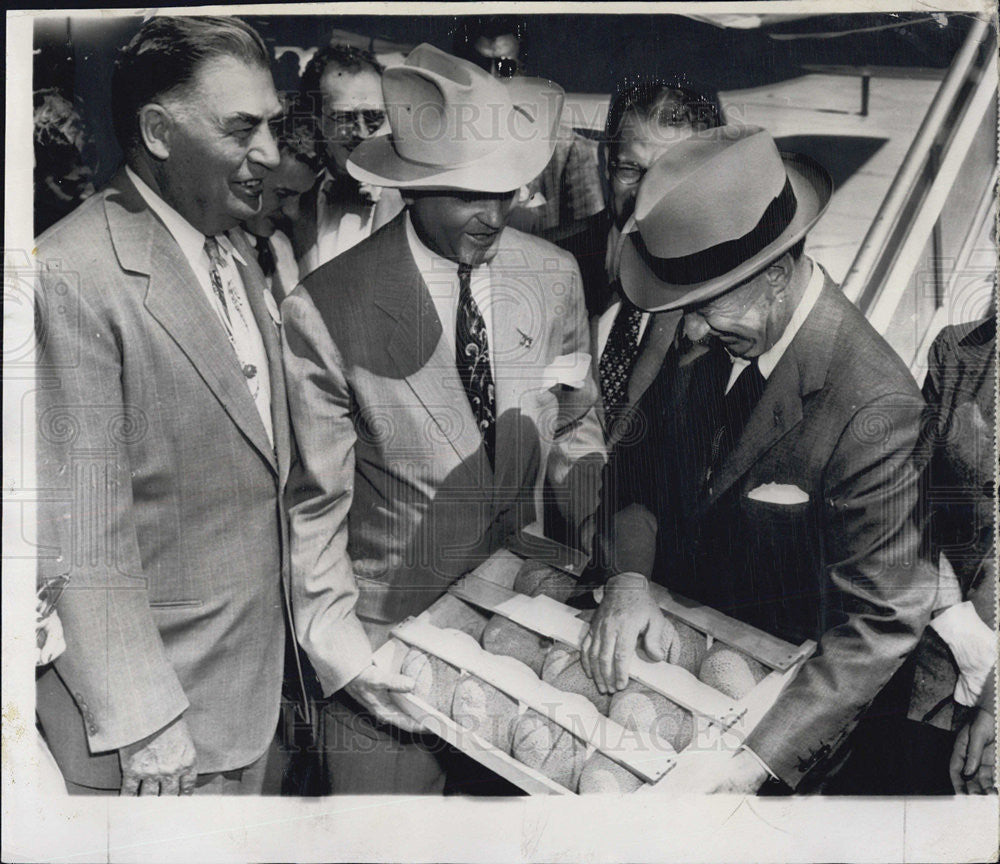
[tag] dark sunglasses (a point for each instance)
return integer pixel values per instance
(372, 119)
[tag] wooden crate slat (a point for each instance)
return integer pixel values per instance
(550, 618)
(574, 713)
(773, 652)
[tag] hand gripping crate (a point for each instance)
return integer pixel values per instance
(720, 721)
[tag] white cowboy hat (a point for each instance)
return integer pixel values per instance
(455, 126)
(713, 211)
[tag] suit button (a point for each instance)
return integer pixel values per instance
(92, 729)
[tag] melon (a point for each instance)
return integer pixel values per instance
(563, 670)
(730, 671)
(547, 747)
(503, 637)
(483, 709)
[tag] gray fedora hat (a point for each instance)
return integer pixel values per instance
(713, 211)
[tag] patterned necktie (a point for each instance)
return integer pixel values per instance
(620, 354)
(472, 358)
(215, 261)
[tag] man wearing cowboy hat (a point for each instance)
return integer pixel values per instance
(786, 479)
(439, 374)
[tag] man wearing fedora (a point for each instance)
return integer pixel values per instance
(786, 478)
(439, 373)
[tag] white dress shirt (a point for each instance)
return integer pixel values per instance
(441, 277)
(240, 326)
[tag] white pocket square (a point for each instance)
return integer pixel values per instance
(570, 370)
(779, 493)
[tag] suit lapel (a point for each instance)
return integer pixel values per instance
(176, 300)
(801, 370)
(656, 342)
(417, 347)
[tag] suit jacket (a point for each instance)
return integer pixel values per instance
(162, 498)
(839, 419)
(960, 389)
(394, 496)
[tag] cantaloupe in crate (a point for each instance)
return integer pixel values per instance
(521, 707)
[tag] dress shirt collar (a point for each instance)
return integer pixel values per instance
(189, 238)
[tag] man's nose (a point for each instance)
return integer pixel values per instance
(265, 149)
(696, 328)
(291, 208)
(494, 212)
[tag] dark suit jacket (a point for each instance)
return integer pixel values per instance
(393, 496)
(162, 498)
(960, 389)
(839, 419)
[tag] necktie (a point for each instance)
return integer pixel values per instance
(737, 406)
(472, 358)
(619, 357)
(265, 257)
(215, 262)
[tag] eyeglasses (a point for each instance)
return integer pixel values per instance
(502, 67)
(371, 120)
(626, 173)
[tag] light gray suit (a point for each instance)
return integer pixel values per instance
(161, 498)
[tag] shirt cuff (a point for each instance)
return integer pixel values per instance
(760, 762)
(973, 645)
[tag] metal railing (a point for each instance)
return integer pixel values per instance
(882, 269)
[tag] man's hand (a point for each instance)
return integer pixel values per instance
(162, 764)
(373, 688)
(718, 772)
(626, 613)
(974, 756)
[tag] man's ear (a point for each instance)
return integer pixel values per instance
(155, 127)
(779, 274)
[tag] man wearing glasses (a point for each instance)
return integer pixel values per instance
(568, 191)
(644, 120)
(342, 84)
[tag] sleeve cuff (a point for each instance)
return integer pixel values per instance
(973, 645)
(760, 762)
(345, 652)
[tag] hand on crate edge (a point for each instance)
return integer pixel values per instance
(373, 688)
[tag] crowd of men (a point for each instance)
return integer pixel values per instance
(302, 372)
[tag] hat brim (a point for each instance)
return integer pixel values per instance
(813, 189)
(516, 160)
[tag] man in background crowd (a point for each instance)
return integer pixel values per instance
(342, 86)
(629, 343)
(163, 436)
(568, 191)
(268, 231)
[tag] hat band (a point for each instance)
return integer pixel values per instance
(722, 258)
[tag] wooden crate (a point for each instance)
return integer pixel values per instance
(720, 721)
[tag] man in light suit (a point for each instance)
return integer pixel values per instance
(163, 436)
(418, 459)
(785, 463)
